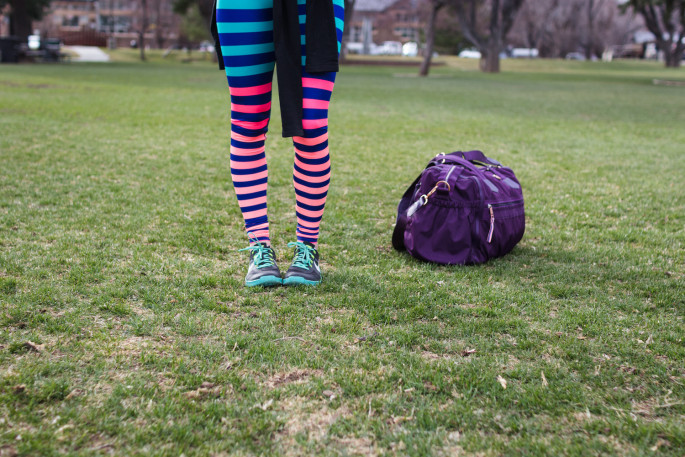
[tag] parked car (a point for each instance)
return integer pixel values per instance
(575, 56)
(410, 49)
(206, 46)
(524, 53)
(355, 47)
(388, 48)
(470, 54)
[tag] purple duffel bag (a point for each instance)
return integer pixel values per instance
(465, 208)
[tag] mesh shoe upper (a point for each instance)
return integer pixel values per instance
(263, 270)
(305, 267)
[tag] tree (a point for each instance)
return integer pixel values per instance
(349, 10)
(205, 7)
(197, 17)
(436, 6)
(532, 24)
(22, 13)
(143, 27)
(193, 27)
(501, 17)
(666, 20)
(557, 27)
(592, 9)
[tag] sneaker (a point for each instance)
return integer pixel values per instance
(263, 270)
(305, 267)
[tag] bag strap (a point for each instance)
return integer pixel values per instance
(458, 160)
(476, 156)
(469, 156)
(401, 223)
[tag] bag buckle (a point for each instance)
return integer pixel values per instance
(434, 189)
(423, 199)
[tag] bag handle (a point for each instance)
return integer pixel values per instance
(469, 156)
(455, 159)
(401, 223)
(476, 156)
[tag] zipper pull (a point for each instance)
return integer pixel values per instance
(492, 223)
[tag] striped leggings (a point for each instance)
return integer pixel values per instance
(247, 42)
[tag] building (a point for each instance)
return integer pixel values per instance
(94, 22)
(72, 14)
(388, 20)
(4, 21)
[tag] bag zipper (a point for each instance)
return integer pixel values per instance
(511, 203)
(492, 223)
(491, 207)
(480, 195)
(447, 178)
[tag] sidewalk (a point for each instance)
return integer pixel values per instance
(87, 54)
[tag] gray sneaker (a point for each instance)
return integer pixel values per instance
(305, 267)
(263, 270)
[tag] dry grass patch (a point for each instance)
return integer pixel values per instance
(313, 419)
(454, 451)
(362, 446)
(206, 390)
(298, 376)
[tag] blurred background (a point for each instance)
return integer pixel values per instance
(489, 30)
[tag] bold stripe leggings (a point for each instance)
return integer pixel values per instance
(247, 43)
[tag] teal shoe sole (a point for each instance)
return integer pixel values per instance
(299, 281)
(265, 281)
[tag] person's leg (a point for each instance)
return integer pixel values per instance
(246, 35)
(247, 43)
(312, 170)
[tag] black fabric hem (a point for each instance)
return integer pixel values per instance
(289, 132)
(323, 67)
(215, 34)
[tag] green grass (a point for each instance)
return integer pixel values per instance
(119, 232)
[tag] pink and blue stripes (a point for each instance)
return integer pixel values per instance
(246, 35)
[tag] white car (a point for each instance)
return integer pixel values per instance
(388, 48)
(206, 46)
(410, 49)
(355, 47)
(524, 53)
(470, 54)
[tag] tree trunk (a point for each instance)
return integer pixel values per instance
(143, 27)
(20, 21)
(349, 10)
(436, 5)
(678, 55)
(589, 39)
(158, 26)
(489, 62)
(674, 58)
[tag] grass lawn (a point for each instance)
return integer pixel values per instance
(125, 328)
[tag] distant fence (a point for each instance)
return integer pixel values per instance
(84, 37)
